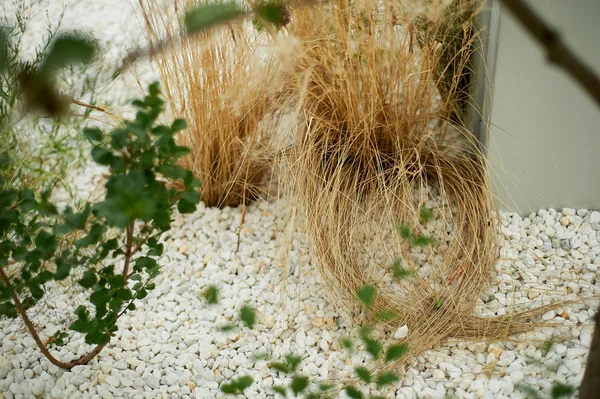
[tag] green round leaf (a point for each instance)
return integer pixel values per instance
(88, 280)
(94, 134)
(178, 125)
(247, 316)
(366, 294)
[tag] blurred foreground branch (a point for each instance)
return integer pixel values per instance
(558, 52)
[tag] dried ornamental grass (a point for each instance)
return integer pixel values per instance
(219, 82)
(370, 152)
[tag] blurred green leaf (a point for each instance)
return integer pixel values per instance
(405, 231)
(387, 315)
(366, 294)
(227, 327)
(280, 366)
(211, 294)
(423, 241)
(323, 386)
(293, 361)
(36, 291)
(178, 125)
(65, 50)
(237, 386)
(209, 15)
(363, 373)
(299, 383)
(373, 346)
(88, 280)
(244, 382)
(365, 332)
(247, 316)
(395, 352)
(560, 390)
(93, 134)
(172, 171)
(400, 272)
(347, 343)
(546, 346)
(528, 390)
(273, 12)
(280, 390)
(353, 392)
(386, 379)
(102, 156)
(425, 214)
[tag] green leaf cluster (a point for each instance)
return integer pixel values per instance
(237, 386)
(415, 239)
(115, 241)
(37, 81)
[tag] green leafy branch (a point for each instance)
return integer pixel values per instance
(142, 159)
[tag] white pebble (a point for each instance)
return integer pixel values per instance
(401, 332)
(112, 380)
(438, 374)
(494, 386)
(574, 366)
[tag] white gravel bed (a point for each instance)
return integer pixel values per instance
(171, 345)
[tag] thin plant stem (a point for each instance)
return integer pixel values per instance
(31, 328)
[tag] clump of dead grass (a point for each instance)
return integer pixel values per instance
(219, 82)
(373, 94)
(372, 149)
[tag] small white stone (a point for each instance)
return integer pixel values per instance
(323, 345)
(560, 349)
(576, 254)
(401, 332)
(5, 367)
(549, 315)
(568, 211)
(104, 393)
(15, 388)
(582, 212)
(78, 379)
(595, 217)
(591, 267)
(575, 242)
(516, 376)
(37, 386)
(112, 380)
(438, 374)
(574, 366)
(494, 386)
(56, 392)
(575, 353)
(171, 379)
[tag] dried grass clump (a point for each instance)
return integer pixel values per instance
(371, 150)
(219, 82)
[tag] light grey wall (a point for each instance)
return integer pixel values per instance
(543, 144)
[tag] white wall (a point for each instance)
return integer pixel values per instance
(543, 145)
